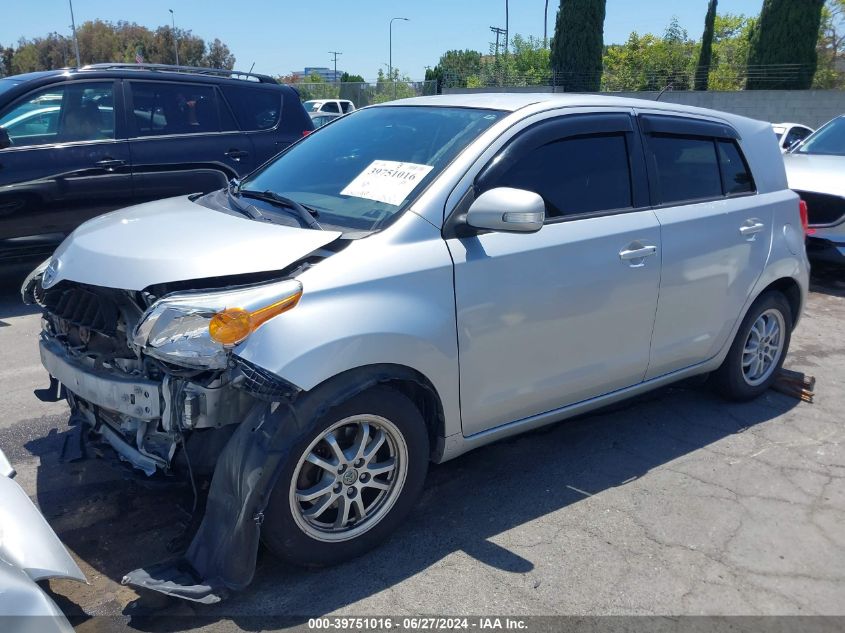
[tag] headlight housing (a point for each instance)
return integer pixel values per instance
(197, 329)
(28, 285)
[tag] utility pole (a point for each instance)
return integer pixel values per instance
(73, 29)
(175, 41)
(546, 25)
(335, 54)
(507, 28)
(390, 57)
(498, 31)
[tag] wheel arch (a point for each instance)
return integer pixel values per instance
(406, 380)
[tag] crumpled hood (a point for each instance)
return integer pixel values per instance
(176, 240)
(814, 172)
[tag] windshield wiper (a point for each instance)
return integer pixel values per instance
(246, 209)
(305, 213)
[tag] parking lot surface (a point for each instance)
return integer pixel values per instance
(676, 503)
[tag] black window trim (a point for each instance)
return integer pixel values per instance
(576, 125)
(671, 125)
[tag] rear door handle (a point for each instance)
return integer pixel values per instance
(109, 163)
(237, 154)
(751, 227)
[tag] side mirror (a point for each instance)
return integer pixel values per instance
(507, 210)
(5, 141)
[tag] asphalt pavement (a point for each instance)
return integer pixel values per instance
(677, 503)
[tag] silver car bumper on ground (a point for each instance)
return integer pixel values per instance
(29, 551)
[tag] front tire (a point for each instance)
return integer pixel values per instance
(759, 349)
(350, 481)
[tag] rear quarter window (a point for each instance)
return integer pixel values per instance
(254, 108)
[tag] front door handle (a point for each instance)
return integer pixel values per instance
(751, 228)
(637, 253)
(110, 163)
(237, 154)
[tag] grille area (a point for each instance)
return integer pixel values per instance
(260, 383)
(79, 306)
(822, 208)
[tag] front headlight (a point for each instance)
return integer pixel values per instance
(196, 329)
(28, 285)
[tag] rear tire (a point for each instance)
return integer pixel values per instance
(758, 351)
(350, 481)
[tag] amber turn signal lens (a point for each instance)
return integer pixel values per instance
(234, 325)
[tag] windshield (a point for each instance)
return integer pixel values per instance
(310, 106)
(828, 139)
(362, 170)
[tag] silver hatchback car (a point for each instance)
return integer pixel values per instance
(416, 280)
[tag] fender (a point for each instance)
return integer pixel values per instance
(388, 299)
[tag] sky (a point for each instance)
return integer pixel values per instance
(281, 36)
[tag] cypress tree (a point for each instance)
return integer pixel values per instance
(702, 70)
(786, 33)
(578, 43)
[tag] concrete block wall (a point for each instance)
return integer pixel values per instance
(810, 107)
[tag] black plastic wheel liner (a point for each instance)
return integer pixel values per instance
(222, 554)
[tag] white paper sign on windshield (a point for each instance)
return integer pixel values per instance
(387, 181)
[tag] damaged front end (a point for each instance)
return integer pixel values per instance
(155, 375)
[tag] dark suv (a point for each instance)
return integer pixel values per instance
(75, 143)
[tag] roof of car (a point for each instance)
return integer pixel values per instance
(511, 102)
(147, 71)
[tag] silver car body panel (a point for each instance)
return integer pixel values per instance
(29, 551)
(174, 240)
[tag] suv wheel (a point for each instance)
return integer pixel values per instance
(758, 350)
(350, 481)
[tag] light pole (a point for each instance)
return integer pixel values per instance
(507, 27)
(335, 54)
(73, 29)
(390, 57)
(175, 41)
(546, 25)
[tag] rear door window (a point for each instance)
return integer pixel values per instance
(330, 106)
(254, 108)
(173, 108)
(687, 168)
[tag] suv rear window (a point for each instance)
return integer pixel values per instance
(173, 108)
(254, 108)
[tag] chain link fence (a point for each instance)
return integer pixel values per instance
(365, 93)
(722, 77)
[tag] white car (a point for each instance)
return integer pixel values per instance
(331, 106)
(789, 134)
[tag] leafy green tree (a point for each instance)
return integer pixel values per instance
(347, 78)
(705, 55)
(218, 55)
(731, 37)
(454, 67)
(577, 44)
(396, 86)
(830, 72)
(783, 45)
(649, 62)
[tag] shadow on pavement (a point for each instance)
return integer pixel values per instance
(11, 305)
(827, 279)
(116, 526)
